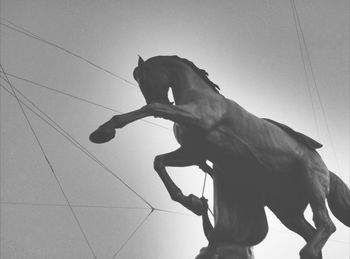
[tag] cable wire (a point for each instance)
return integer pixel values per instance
(65, 134)
(132, 234)
(30, 34)
(73, 205)
(302, 41)
(300, 37)
(77, 98)
(205, 181)
(84, 151)
(144, 220)
(50, 165)
(73, 141)
(305, 70)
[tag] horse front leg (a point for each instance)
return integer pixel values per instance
(106, 131)
(184, 114)
(178, 158)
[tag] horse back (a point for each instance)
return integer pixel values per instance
(309, 142)
(271, 145)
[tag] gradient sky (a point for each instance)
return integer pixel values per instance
(250, 49)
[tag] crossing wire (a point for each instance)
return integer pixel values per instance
(297, 28)
(30, 34)
(18, 203)
(65, 134)
(152, 209)
(69, 52)
(71, 139)
(73, 205)
(132, 234)
(49, 164)
(77, 98)
(302, 41)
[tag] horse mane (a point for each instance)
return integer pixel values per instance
(201, 72)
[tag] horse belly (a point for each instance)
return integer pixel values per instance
(225, 147)
(222, 146)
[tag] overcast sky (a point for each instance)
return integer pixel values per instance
(250, 49)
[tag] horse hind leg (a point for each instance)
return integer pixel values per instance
(301, 226)
(324, 229)
(317, 185)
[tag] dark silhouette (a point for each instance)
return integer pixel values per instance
(256, 162)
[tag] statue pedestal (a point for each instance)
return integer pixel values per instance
(226, 251)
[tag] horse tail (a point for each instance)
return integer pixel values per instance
(339, 199)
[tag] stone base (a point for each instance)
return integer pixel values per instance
(226, 251)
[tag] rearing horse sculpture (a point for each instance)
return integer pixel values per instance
(268, 161)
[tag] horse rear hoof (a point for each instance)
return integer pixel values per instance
(307, 253)
(102, 136)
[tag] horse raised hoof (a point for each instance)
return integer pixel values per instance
(101, 135)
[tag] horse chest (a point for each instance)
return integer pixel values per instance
(188, 136)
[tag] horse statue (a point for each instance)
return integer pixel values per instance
(256, 162)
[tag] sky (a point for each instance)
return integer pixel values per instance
(249, 48)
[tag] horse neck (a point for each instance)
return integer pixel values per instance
(184, 80)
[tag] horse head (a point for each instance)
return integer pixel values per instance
(153, 82)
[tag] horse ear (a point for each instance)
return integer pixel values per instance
(140, 62)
